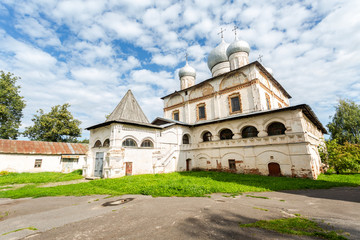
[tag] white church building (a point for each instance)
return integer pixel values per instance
(240, 120)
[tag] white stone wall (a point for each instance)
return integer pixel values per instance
(26, 162)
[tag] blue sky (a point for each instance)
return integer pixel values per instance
(89, 53)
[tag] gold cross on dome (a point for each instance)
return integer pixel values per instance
(221, 32)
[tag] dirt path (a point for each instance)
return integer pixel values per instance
(145, 217)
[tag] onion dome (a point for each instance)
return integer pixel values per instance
(238, 46)
(218, 54)
(187, 70)
(269, 70)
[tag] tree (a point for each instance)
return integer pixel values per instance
(58, 125)
(345, 124)
(11, 106)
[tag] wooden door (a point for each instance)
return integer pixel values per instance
(188, 161)
(274, 169)
(128, 170)
(99, 159)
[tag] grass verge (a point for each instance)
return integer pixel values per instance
(296, 226)
(43, 177)
(183, 184)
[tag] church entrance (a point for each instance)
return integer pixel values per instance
(128, 170)
(188, 162)
(274, 169)
(99, 158)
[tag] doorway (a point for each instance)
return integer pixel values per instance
(188, 163)
(274, 169)
(128, 170)
(99, 159)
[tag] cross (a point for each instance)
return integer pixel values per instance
(186, 56)
(221, 32)
(260, 58)
(234, 30)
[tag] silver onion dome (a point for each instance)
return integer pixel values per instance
(218, 55)
(238, 46)
(187, 70)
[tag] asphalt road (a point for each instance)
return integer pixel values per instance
(145, 217)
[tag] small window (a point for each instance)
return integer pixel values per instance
(232, 165)
(235, 105)
(249, 132)
(207, 137)
(268, 104)
(186, 139)
(226, 134)
(38, 163)
(147, 144)
(106, 143)
(276, 128)
(176, 115)
(201, 112)
(98, 144)
(129, 143)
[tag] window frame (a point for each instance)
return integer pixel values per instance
(147, 141)
(267, 101)
(188, 139)
(243, 131)
(106, 143)
(225, 129)
(97, 145)
(37, 163)
(238, 96)
(275, 133)
(178, 114)
(203, 136)
(232, 164)
(198, 111)
(125, 140)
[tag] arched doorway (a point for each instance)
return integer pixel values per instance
(274, 169)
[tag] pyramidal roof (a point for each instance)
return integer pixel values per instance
(128, 110)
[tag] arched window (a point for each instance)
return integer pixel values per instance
(186, 139)
(207, 136)
(98, 144)
(106, 143)
(129, 143)
(226, 134)
(276, 128)
(147, 144)
(249, 132)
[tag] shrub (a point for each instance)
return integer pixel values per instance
(341, 158)
(3, 173)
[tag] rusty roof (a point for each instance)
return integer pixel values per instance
(42, 148)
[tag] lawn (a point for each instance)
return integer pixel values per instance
(43, 177)
(184, 184)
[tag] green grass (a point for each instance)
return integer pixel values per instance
(183, 184)
(295, 226)
(20, 229)
(43, 177)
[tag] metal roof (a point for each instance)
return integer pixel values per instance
(238, 69)
(42, 148)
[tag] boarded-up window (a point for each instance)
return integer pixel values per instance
(232, 165)
(37, 163)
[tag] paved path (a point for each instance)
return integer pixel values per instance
(145, 217)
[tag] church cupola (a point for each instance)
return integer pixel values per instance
(187, 75)
(218, 62)
(238, 53)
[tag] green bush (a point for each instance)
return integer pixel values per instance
(341, 158)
